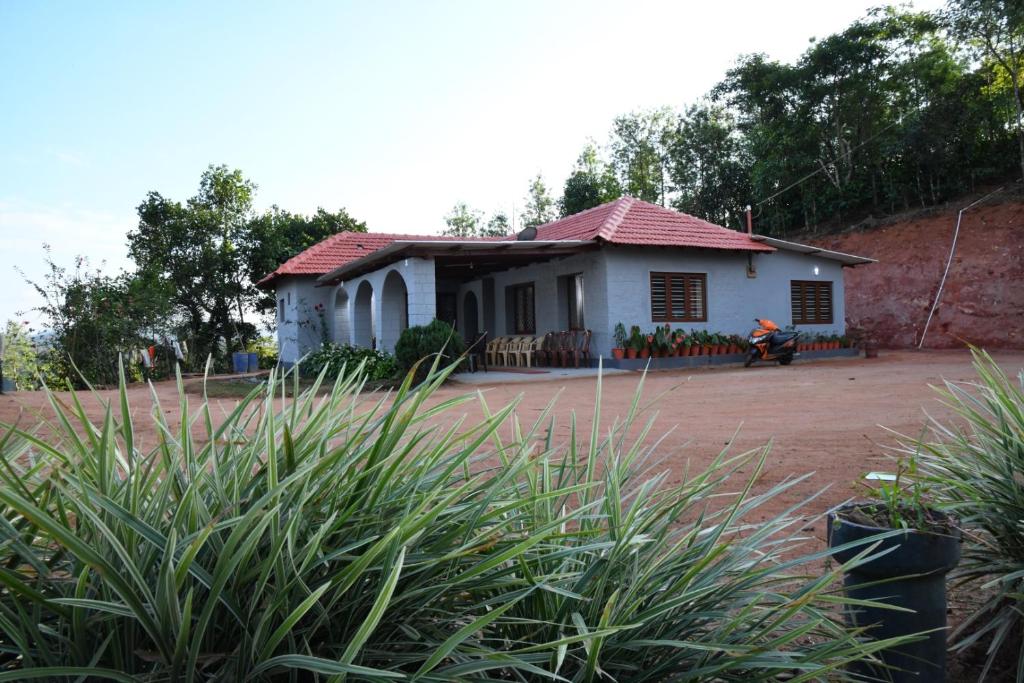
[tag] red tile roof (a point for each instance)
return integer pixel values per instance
(624, 221)
(339, 249)
(631, 221)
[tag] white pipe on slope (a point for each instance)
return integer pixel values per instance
(949, 261)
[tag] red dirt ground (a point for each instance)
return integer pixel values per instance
(983, 299)
(820, 416)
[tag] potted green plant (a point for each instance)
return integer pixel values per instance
(661, 341)
(636, 342)
(717, 344)
(620, 341)
(734, 344)
(917, 546)
(648, 341)
(679, 345)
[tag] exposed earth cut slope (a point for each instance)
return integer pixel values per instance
(983, 298)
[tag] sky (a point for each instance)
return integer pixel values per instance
(393, 110)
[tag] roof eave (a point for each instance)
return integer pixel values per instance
(847, 260)
(398, 246)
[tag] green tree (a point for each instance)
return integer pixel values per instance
(879, 117)
(20, 365)
(994, 30)
(708, 167)
(591, 183)
(201, 252)
(96, 318)
(277, 235)
(462, 221)
(639, 152)
(497, 226)
(539, 204)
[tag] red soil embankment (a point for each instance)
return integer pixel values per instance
(983, 298)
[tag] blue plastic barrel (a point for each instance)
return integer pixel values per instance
(254, 362)
(240, 361)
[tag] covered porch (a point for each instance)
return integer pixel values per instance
(504, 289)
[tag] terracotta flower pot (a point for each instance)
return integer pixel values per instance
(617, 354)
(734, 348)
(644, 353)
(631, 353)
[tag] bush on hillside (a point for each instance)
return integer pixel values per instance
(425, 342)
(377, 365)
(346, 537)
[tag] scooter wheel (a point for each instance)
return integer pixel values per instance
(786, 360)
(749, 361)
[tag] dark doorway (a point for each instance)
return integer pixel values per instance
(470, 317)
(447, 308)
(488, 298)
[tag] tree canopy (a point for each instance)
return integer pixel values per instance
(209, 252)
(899, 110)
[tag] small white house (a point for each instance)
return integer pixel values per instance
(625, 261)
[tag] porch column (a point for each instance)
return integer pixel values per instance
(421, 280)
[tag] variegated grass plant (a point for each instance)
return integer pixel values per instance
(974, 467)
(364, 537)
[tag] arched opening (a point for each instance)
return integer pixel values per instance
(394, 309)
(470, 317)
(342, 328)
(362, 315)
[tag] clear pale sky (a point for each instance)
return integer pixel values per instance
(393, 110)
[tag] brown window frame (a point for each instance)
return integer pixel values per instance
(815, 288)
(522, 329)
(687, 278)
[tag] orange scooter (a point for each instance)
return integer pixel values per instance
(768, 342)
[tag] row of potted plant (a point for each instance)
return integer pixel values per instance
(665, 342)
(823, 342)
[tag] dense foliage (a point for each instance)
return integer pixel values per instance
(20, 360)
(94, 319)
(209, 252)
(425, 343)
(372, 540)
(900, 110)
(277, 235)
(974, 467)
(333, 358)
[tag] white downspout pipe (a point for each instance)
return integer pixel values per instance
(949, 262)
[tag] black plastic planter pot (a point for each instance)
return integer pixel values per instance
(914, 576)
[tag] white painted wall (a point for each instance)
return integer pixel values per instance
(616, 288)
(300, 331)
(383, 324)
(734, 299)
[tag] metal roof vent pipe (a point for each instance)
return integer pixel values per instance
(750, 222)
(527, 234)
